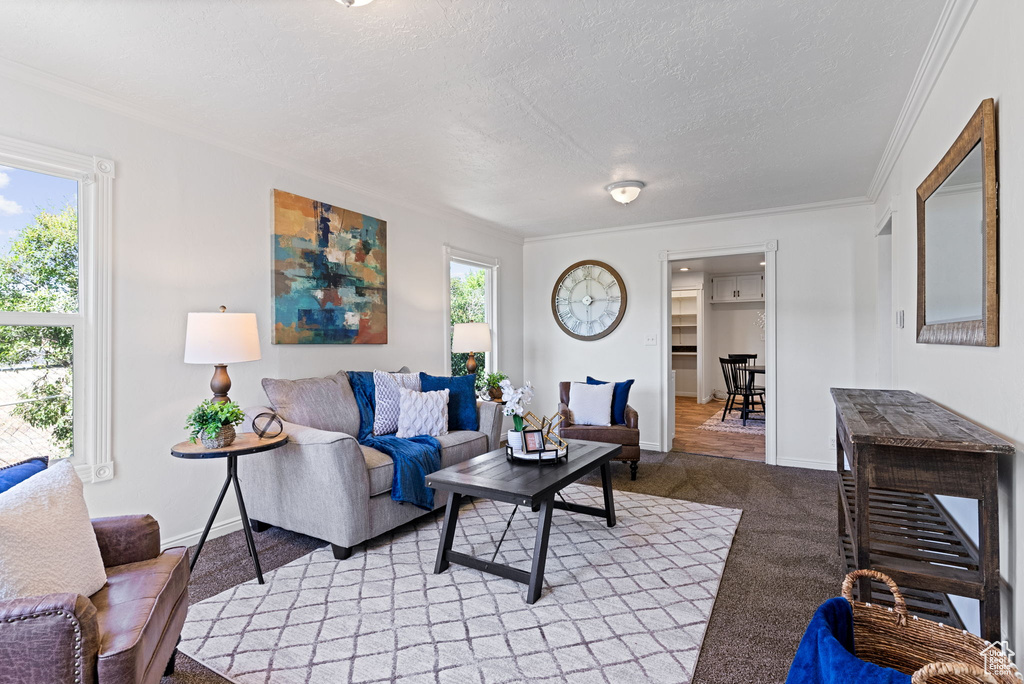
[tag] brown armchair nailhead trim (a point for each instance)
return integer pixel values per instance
(79, 660)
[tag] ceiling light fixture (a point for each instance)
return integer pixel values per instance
(625, 192)
(684, 268)
(355, 3)
(762, 263)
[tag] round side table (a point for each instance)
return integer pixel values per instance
(245, 443)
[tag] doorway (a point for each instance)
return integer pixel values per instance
(732, 411)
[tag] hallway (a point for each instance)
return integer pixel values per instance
(690, 414)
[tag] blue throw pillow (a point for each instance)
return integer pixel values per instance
(620, 397)
(19, 472)
(462, 413)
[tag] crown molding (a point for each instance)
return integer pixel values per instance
(951, 23)
(716, 218)
(61, 86)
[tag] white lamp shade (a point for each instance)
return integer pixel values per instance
(471, 337)
(221, 338)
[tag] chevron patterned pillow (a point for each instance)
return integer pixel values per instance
(386, 386)
(423, 413)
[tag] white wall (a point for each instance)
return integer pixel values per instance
(191, 232)
(973, 381)
(815, 317)
(732, 329)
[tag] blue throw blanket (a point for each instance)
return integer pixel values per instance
(826, 652)
(414, 458)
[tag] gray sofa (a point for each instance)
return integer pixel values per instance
(323, 483)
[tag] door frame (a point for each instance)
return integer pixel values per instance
(668, 390)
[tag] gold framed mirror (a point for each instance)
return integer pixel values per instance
(958, 240)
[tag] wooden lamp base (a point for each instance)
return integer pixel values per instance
(220, 383)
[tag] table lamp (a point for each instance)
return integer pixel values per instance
(220, 339)
(472, 338)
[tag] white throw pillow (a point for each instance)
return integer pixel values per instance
(423, 413)
(591, 404)
(386, 386)
(47, 544)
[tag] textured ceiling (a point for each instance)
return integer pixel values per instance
(516, 112)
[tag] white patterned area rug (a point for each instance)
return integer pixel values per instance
(623, 604)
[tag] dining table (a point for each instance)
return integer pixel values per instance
(751, 371)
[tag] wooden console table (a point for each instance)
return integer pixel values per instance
(903, 451)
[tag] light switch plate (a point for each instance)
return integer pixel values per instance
(651, 341)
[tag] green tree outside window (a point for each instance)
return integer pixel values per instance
(40, 273)
(469, 305)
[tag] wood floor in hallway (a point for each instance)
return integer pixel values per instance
(690, 414)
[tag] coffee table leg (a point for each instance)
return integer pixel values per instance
(540, 551)
(249, 541)
(609, 499)
(209, 523)
(451, 518)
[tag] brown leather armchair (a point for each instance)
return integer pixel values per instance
(627, 435)
(125, 633)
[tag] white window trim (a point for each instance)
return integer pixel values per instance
(93, 457)
(492, 266)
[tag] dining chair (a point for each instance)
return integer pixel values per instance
(749, 360)
(736, 386)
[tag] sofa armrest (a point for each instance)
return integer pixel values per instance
(297, 434)
(317, 484)
(563, 410)
(632, 418)
(46, 639)
(127, 539)
(490, 417)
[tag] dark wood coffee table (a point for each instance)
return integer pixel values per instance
(491, 476)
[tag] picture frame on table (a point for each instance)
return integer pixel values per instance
(533, 441)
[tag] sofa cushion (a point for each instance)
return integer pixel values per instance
(321, 403)
(19, 472)
(620, 398)
(133, 610)
(456, 447)
(423, 413)
(591, 404)
(387, 398)
(462, 412)
(47, 544)
(613, 434)
(379, 468)
(460, 446)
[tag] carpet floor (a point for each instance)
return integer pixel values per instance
(784, 560)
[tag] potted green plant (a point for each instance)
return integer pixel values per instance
(492, 384)
(214, 423)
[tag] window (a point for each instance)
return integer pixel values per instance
(472, 283)
(54, 307)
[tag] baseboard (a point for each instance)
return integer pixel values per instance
(192, 538)
(650, 446)
(803, 463)
(686, 394)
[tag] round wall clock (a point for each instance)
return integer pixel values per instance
(589, 300)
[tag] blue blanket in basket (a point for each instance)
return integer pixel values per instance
(415, 457)
(825, 655)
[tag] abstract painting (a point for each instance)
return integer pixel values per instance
(330, 274)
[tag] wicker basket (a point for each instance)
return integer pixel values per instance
(225, 436)
(933, 652)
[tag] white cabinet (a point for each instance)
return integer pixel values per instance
(745, 287)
